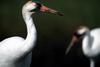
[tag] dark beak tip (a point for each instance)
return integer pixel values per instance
(60, 14)
(66, 52)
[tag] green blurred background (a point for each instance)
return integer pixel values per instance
(54, 32)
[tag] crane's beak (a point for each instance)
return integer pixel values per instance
(49, 10)
(73, 41)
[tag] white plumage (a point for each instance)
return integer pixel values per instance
(16, 51)
(90, 43)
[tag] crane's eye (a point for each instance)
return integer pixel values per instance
(38, 6)
(78, 35)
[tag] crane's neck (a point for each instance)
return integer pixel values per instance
(89, 40)
(87, 44)
(31, 32)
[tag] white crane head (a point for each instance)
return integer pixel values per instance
(32, 7)
(79, 32)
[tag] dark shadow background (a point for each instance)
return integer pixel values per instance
(54, 32)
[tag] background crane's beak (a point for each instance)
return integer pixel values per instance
(73, 41)
(49, 10)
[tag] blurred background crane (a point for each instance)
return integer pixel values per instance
(53, 35)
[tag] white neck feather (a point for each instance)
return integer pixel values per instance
(31, 32)
(89, 40)
(87, 45)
